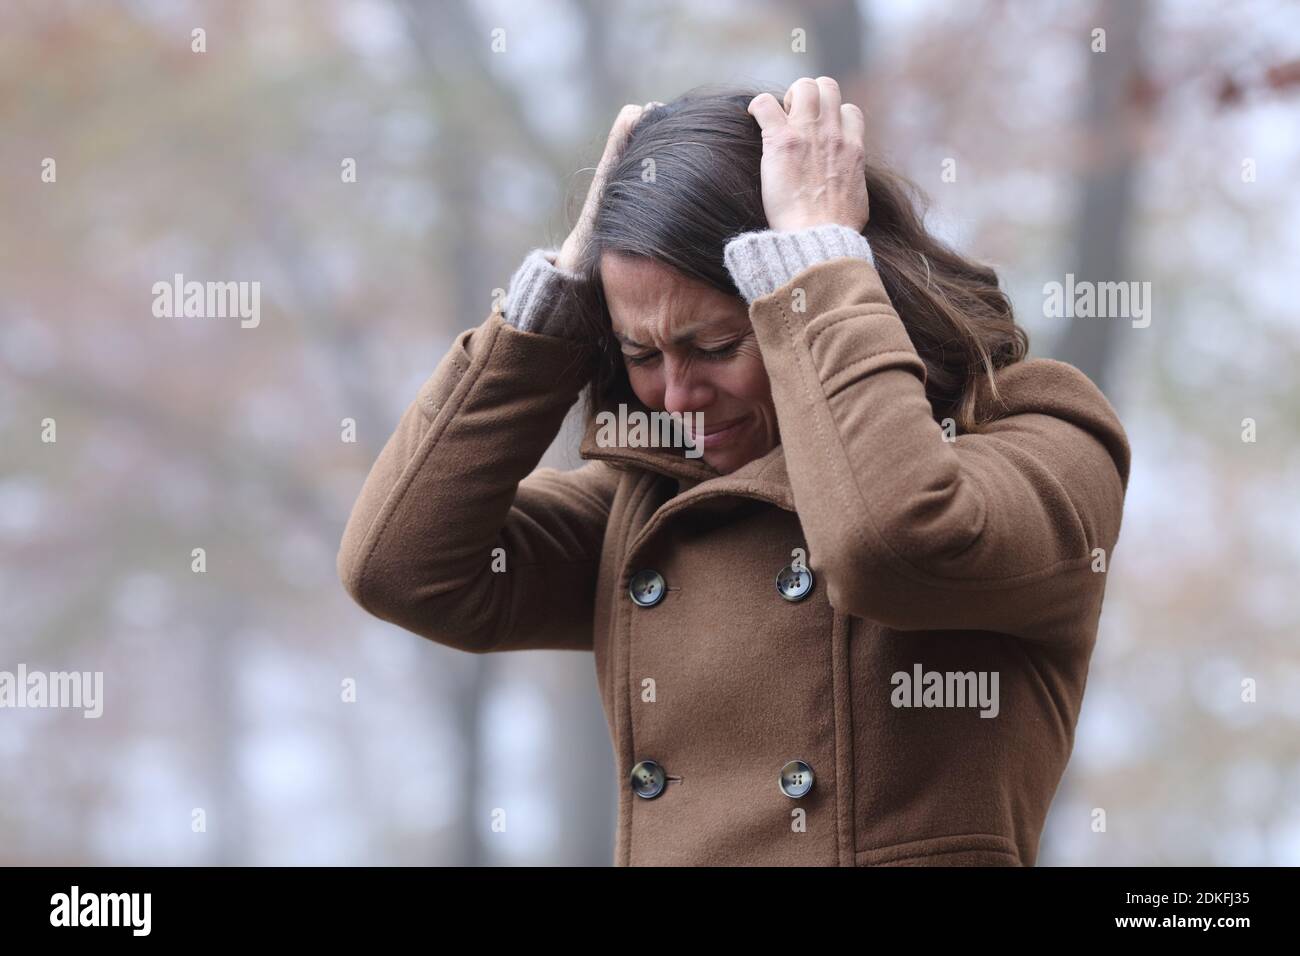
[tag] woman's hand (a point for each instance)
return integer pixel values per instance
(814, 157)
(627, 118)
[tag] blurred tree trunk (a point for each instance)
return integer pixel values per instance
(223, 619)
(1106, 181)
(445, 37)
(453, 52)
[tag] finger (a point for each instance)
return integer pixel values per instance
(788, 102)
(829, 104)
(805, 99)
(624, 122)
(854, 124)
(767, 111)
(618, 134)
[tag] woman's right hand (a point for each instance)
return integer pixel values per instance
(571, 251)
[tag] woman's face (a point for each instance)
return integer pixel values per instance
(689, 348)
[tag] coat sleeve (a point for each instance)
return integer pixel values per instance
(995, 530)
(458, 479)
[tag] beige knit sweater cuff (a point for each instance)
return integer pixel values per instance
(761, 262)
(535, 294)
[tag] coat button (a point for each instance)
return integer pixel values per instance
(796, 779)
(648, 779)
(794, 585)
(647, 588)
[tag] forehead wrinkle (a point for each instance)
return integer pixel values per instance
(680, 338)
(661, 299)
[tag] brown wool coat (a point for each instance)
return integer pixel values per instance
(973, 555)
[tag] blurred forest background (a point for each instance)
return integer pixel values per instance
(1172, 158)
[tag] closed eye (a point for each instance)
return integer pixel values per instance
(714, 354)
(711, 355)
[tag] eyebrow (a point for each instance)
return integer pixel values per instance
(678, 339)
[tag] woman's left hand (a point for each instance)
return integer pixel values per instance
(814, 157)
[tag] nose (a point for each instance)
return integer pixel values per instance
(686, 389)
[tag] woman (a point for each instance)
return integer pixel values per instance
(848, 620)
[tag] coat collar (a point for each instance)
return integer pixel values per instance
(764, 478)
(1032, 385)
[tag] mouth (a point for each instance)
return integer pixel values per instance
(723, 432)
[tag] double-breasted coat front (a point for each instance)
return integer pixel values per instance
(775, 648)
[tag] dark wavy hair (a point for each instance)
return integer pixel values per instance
(706, 150)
